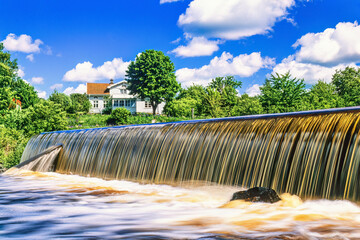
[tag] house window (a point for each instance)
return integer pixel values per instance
(128, 103)
(121, 103)
(132, 102)
(96, 104)
(105, 103)
(147, 104)
(123, 91)
(116, 103)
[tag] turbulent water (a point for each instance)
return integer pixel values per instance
(52, 206)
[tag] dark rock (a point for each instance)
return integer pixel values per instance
(257, 194)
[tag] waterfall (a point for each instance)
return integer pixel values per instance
(312, 154)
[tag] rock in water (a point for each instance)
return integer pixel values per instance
(257, 194)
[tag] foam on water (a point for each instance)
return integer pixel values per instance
(51, 205)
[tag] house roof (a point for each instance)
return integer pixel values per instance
(116, 84)
(97, 88)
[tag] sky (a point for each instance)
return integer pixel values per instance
(63, 45)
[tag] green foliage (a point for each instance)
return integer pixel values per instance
(197, 93)
(44, 116)
(63, 100)
(347, 84)
(323, 95)
(80, 103)
(11, 86)
(221, 96)
(12, 145)
(119, 116)
(180, 107)
(246, 105)
(282, 93)
(152, 76)
(25, 93)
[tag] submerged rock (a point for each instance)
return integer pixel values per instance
(257, 194)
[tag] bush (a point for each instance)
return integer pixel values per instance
(12, 145)
(119, 116)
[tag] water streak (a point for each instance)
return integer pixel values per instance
(312, 156)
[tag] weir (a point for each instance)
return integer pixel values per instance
(313, 154)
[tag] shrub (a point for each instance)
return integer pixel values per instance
(119, 116)
(12, 145)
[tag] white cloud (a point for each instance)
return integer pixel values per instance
(57, 86)
(30, 57)
(85, 72)
(233, 19)
(41, 94)
(330, 47)
(80, 89)
(23, 43)
(253, 91)
(168, 1)
(198, 46)
(243, 65)
(311, 73)
(20, 72)
(37, 80)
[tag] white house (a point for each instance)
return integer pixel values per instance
(100, 93)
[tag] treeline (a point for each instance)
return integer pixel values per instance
(280, 93)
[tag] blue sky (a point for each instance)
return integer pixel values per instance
(64, 44)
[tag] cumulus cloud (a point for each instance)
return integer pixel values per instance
(37, 80)
(30, 57)
(311, 73)
(79, 89)
(57, 86)
(243, 65)
(20, 72)
(41, 94)
(198, 46)
(330, 47)
(253, 91)
(85, 72)
(233, 19)
(23, 43)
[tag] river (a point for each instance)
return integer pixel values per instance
(56, 206)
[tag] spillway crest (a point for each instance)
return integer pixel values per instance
(311, 155)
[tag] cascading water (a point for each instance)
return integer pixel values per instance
(311, 154)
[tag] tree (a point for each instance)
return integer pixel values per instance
(63, 100)
(80, 102)
(347, 84)
(25, 93)
(11, 86)
(181, 107)
(221, 96)
(282, 93)
(197, 93)
(152, 76)
(247, 106)
(323, 95)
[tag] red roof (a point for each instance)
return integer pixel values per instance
(97, 88)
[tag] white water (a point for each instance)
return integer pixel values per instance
(50, 205)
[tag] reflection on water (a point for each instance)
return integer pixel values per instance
(51, 205)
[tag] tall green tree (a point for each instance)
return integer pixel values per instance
(323, 95)
(63, 100)
(80, 102)
(12, 86)
(347, 84)
(282, 93)
(152, 76)
(247, 105)
(222, 102)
